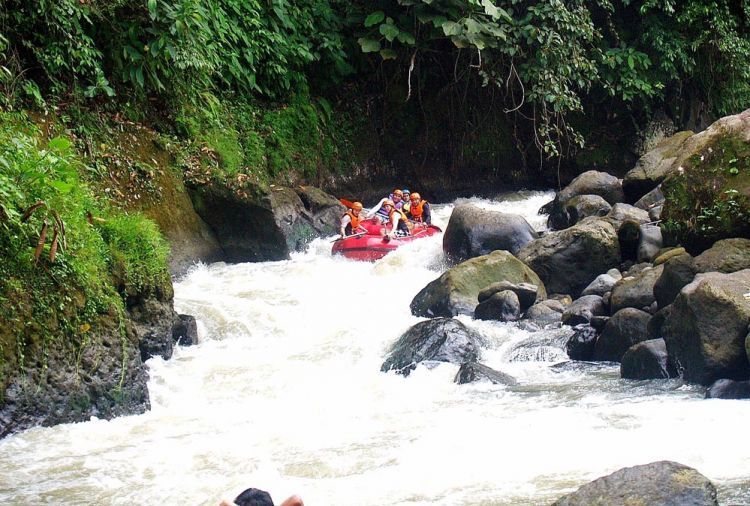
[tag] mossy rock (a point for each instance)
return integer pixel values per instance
(708, 197)
(457, 290)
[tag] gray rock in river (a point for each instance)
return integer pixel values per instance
(627, 327)
(473, 231)
(471, 372)
(662, 483)
(729, 389)
(440, 339)
(706, 328)
(502, 306)
(647, 360)
(568, 260)
(456, 291)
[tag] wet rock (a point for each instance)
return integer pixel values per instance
(598, 322)
(626, 327)
(545, 312)
(729, 389)
(439, 339)
(647, 360)
(706, 328)
(471, 372)
(727, 255)
(581, 345)
(153, 320)
(568, 260)
(473, 232)
(583, 310)
(266, 225)
(502, 306)
(662, 483)
(526, 292)
(656, 323)
(635, 291)
(456, 290)
(185, 330)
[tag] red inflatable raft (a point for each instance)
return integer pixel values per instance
(373, 245)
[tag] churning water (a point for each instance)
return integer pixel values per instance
(285, 393)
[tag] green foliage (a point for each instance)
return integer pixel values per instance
(174, 47)
(55, 296)
(138, 253)
(547, 57)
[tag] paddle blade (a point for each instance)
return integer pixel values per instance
(347, 203)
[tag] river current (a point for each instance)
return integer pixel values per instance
(284, 392)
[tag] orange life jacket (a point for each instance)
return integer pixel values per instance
(416, 211)
(355, 219)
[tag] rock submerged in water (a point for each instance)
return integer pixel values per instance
(662, 483)
(471, 372)
(729, 389)
(439, 339)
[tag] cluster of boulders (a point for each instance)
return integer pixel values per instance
(604, 269)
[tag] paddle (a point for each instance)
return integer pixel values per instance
(358, 234)
(347, 203)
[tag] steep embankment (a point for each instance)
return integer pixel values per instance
(86, 294)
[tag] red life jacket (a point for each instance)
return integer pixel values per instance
(416, 211)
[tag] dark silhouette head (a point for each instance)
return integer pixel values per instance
(253, 497)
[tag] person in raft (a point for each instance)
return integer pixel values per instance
(419, 210)
(398, 221)
(378, 211)
(406, 194)
(350, 221)
(257, 497)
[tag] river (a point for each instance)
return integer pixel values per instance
(285, 393)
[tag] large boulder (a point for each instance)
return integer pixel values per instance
(653, 167)
(647, 360)
(627, 327)
(707, 194)
(650, 243)
(262, 225)
(589, 183)
(583, 206)
(568, 260)
(471, 372)
(662, 483)
(439, 339)
(621, 213)
(456, 291)
(728, 255)
(473, 231)
(706, 328)
(593, 182)
(652, 199)
(635, 291)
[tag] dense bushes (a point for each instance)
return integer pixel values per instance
(67, 258)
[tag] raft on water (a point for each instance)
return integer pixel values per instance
(373, 245)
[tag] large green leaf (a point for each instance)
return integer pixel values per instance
(374, 18)
(369, 45)
(389, 31)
